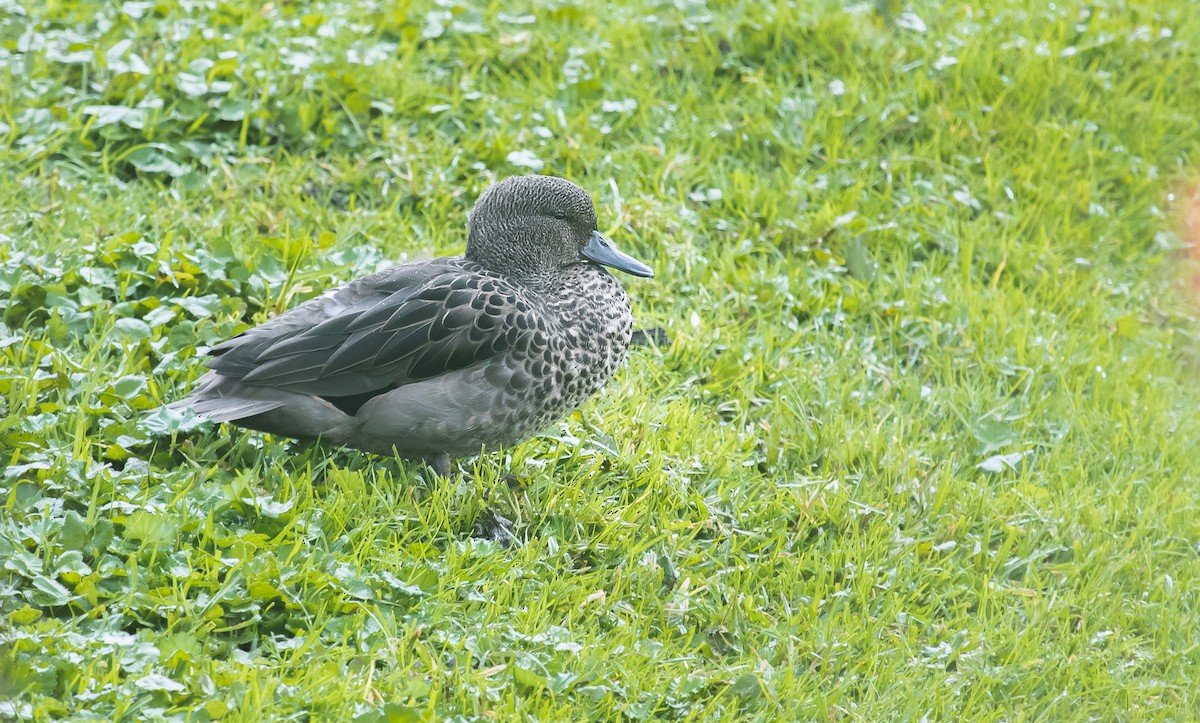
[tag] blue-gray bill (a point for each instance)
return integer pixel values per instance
(600, 250)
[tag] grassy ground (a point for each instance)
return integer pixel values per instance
(923, 444)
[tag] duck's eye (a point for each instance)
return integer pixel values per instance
(560, 215)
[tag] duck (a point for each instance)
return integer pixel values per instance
(444, 358)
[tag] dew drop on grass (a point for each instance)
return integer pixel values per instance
(526, 159)
(624, 105)
(910, 21)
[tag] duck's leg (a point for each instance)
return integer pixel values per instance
(490, 525)
(441, 465)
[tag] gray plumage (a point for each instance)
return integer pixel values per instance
(442, 358)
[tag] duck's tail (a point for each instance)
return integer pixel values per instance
(219, 398)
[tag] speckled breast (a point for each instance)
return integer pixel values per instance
(589, 327)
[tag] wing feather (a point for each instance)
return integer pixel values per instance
(416, 326)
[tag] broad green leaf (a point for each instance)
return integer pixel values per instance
(24, 615)
(158, 682)
(858, 260)
(50, 592)
(152, 160)
(132, 329)
(74, 534)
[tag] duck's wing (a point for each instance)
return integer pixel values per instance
(238, 355)
(422, 322)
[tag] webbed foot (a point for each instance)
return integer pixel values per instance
(493, 526)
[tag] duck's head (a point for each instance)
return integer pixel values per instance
(532, 227)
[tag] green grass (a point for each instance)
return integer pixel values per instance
(924, 442)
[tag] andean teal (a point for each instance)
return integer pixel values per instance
(442, 358)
